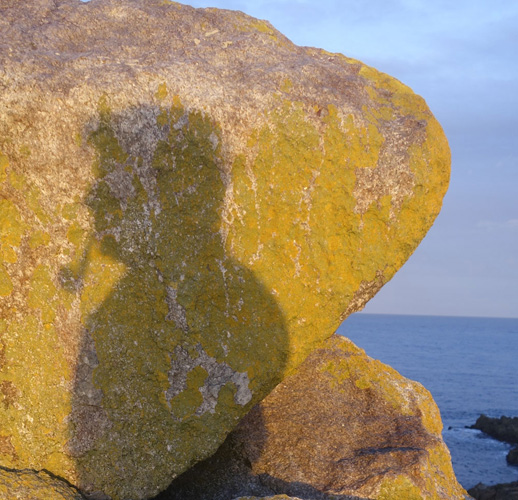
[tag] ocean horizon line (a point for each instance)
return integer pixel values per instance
(459, 316)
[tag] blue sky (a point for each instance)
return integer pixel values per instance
(461, 57)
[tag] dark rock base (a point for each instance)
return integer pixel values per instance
(507, 491)
(512, 457)
(503, 428)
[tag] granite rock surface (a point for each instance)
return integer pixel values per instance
(344, 425)
(189, 204)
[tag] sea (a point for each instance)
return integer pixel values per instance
(470, 365)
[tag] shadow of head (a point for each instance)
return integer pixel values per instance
(178, 338)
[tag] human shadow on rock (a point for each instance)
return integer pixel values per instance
(178, 339)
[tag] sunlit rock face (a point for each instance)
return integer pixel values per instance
(343, 426)
(189, 204)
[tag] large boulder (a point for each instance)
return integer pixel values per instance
(189, 203)
(343, 425)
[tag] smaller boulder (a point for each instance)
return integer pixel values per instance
(31, 485)
(343, 425)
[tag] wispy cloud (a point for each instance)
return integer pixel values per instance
(510, 224)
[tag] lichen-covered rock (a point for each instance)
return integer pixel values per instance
(30, 485)
(189, 203)
(343, 424)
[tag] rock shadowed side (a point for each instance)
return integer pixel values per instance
(343, 425)
(189, 204)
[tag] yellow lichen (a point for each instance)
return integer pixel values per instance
(339, 372)
(46, 388)
(70, 210)
(11, 231)
(38, 239)
(261, 26)
(363, 383)
(33, 201)
(17, 180)
(4, 163)
(161, 92)
(400, 488)
(75, 234)
(286, 85)
(25, 150)
(185, 404)
(6, 285)
(348, 60)
(101, 274)
(42, 294)
(78, 139)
